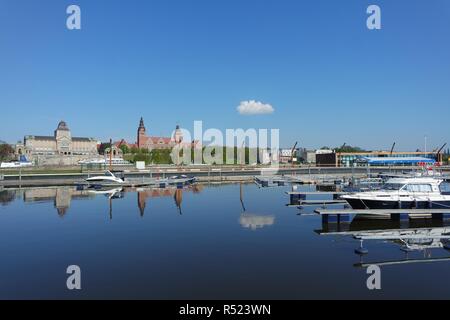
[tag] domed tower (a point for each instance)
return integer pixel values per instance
(178, 136)
(63, 138)
(141, 134)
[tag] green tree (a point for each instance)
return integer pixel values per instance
(142, 157)
(134, 150)
(103, 147)
(161, 156)
(6, 152)
(349, 149)
(125, 149)
(446, 157)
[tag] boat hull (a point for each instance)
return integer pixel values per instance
(386, 204)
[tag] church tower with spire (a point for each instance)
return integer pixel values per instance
(141, 134)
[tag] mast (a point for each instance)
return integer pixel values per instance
(110, 154)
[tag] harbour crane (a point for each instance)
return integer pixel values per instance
(439, 153)
(392, 149)
(292, 152)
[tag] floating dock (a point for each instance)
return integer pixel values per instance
(297, 197)
(274, 181)
(345, 215)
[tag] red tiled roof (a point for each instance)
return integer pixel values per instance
(156, 140)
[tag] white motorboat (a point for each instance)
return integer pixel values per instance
(403, 193)
(23, 162)
(181, 180)
(15, 164)
(107, 179)
(113, 162)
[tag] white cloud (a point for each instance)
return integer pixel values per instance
(253, 107)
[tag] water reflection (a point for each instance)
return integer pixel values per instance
(62, 197)
(250, 220)
(143, 194)
(6, 197)
(427, 237)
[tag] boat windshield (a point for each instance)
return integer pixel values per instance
(392, 186)
(108, 174)
(445, 187)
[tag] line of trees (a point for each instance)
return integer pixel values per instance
(346, 149)
(149, 157)
(163, 156)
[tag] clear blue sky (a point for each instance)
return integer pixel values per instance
(329, 78)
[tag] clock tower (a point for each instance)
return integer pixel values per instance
(141, 134)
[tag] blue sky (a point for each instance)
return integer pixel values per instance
(329, 78)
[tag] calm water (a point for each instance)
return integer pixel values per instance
(198, 243)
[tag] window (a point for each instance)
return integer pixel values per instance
(445, 187)
(419, 188)
(392, 186)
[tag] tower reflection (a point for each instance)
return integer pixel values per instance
(144, 194)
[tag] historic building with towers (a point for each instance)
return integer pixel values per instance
(59, 149)
(148, 142)
(145, 141)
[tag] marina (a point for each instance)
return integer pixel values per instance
(228, 227)
(231, 151)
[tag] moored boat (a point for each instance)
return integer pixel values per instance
(403, 193)
(108, 179)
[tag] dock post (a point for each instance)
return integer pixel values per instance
(330, 218)
(296, 198)
(402, 217)
(344, 218)
(442, 216)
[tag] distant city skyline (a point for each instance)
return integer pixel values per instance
(309, 68)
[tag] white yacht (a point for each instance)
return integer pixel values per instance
(15, 164)
(183, 179)
(107, 179)
(403, 193)
(113, 161)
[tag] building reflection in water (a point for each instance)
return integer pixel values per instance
(250, 220)
(61, 197)
(177, 194)
(7, 197)
(424, 236)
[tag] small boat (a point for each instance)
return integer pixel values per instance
(403, 193)
(23, 162)
(108, 179)
(112, 162)
(15, 164)
(181, 180)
